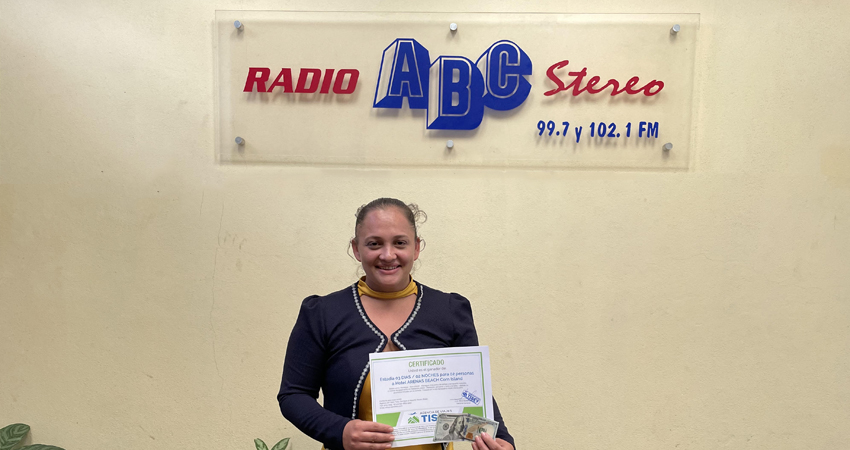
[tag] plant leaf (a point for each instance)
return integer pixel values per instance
(40, 447)
(281, 445)
(260, 444)
(12, 434)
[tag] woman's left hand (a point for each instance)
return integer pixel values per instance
(485, 442)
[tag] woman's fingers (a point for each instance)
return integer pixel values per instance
(374, 427)
(372, 445)
(372, 436)
(376, 437)
(366, 445)
(489, 441)
(478, 444)
(486, 442)
(362, 435)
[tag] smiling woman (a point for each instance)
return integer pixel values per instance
(386, 310)
(386, 243)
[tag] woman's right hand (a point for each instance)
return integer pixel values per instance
(362, 435)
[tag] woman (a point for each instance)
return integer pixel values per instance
(385, 311)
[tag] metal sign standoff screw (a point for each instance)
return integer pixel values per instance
(450, 144)
(675, 29)
(239, 140)
(239, 26)
(453, 26)
(668, 146)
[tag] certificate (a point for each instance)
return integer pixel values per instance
(410, 388)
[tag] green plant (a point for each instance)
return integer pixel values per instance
(12, 435)
(279, 446)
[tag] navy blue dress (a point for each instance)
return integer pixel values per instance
(329, 350)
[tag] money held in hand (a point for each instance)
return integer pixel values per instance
(476, 425)
(462, 427)
(450, 427)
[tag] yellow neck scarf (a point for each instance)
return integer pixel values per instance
(364, 289)
(366, 395)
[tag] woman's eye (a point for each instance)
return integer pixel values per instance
(401, 243)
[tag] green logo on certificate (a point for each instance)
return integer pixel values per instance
(413, 419)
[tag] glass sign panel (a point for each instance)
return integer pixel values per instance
(455, 89)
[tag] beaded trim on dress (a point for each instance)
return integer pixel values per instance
(409, 319)
(378, 332)
(378, 349)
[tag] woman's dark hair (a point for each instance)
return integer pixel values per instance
(411, 212)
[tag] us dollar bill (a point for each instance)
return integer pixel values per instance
(450, 427)
(476, 425)
(462, 427)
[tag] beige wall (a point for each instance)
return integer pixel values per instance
(147, 292)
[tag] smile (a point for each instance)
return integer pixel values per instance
(388, 267)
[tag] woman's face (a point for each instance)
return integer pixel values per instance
(386, 247)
